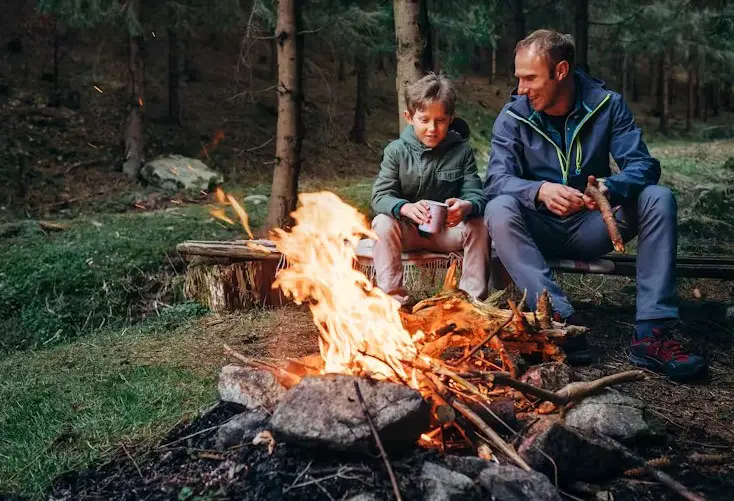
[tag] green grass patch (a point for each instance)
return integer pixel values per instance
(53, 286)
(70, 406)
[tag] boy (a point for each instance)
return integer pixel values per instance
(429, 162)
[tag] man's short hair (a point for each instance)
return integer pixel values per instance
(429, 89)
(551, 45)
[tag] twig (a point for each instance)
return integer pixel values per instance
(134, 463)
(371, 424)
(528, 388)
(607, 216)
(485, 340)
(578, 391)
(261, 146)
(491, 434)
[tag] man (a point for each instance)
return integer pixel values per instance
(552, 138)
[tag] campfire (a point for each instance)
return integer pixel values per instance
(459, 356)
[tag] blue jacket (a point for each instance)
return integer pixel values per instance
(525, 153)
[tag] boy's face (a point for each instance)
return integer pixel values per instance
(431, 125)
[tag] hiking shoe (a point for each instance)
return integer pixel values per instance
(660, 353)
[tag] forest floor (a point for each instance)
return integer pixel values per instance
(100, 356)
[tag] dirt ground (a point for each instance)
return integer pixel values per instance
(698, 418)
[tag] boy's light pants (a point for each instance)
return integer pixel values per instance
(394, 236)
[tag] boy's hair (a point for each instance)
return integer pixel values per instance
(428, 89)
(553, 46)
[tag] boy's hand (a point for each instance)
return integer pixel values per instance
(599, 183)
(417, 212)
(458, 211)
(560, 199)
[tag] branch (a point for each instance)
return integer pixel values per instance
(390, 472)
(621, 21)
(485, 340)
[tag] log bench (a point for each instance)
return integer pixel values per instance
(229, 276)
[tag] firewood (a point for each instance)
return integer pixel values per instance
(580, 390)
(592, 190)
(544, 311)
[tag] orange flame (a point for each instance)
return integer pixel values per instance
(360, 327)
(218, 137)
(244, 218)
(219, 214)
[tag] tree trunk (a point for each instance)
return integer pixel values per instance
(665, 77)
(700, 85)
(493, 65)
(582, 34)
(625, 74)
(289, 128)
(671, 79)
(518, 20)
(57, 47)
(689, 108)
(341, 73)
(716, 98)
(409, 45)
(174, 56)
(653, 76)
(357, 134)
(134, 155)
(634, 80)
(429, 56)
(660, 84)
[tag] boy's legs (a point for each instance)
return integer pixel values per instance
(394, 236)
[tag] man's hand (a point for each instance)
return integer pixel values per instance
(560, 199)
(417, 212)
(458, 211)
(599, 183)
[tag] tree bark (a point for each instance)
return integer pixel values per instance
(409, 44)
(634, 80)
(134, 154)
(429, 56)
(341, 74)
(665, 77)
(660, 84)
(653, 76)
(582, 34)
(174, 56)
(700, 85)
(357, 134)
(671, 79)
(289, 128)
(493, 65)
(716, 98)
(518, 20)
(625, 74)
(690, 106)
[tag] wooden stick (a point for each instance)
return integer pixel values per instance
(485, 340)
(491, 434)
(528, 388)
(390, 472)
(607, 216)
(285, 378)
(580, 390)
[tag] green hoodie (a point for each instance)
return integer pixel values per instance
(411, 171)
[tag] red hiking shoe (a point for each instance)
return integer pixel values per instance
(663, 354)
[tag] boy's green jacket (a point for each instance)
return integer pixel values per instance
(411, 171)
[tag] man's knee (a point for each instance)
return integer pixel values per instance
(500, 210)
(659, 199)
(385, 225)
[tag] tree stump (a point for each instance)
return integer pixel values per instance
(225, 284)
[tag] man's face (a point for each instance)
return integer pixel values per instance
(431, 124)
(534, 79)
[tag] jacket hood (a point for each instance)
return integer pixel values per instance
(408, 136)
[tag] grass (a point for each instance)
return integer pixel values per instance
(73, 405)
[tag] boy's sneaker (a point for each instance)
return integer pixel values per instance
(659, 352)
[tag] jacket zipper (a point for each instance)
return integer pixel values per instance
(564, 160)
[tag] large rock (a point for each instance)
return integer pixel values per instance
(324, 411)
(612, 414)
(253, 388)
(551, 376)
(509, 483)
(365, 496)
(242, 428)
(471, 466)
(177, 172)
(442, 484)
(576, 455)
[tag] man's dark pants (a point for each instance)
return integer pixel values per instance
(525, 238)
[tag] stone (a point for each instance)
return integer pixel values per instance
(576, 455)
(365, 496)
(442, 484)
(241, 428)
(324, 411)
(177, 172)
(253, 388)
(510, 483)
(610, 413)
(551, 376)
(255, 199)
(471, 466)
